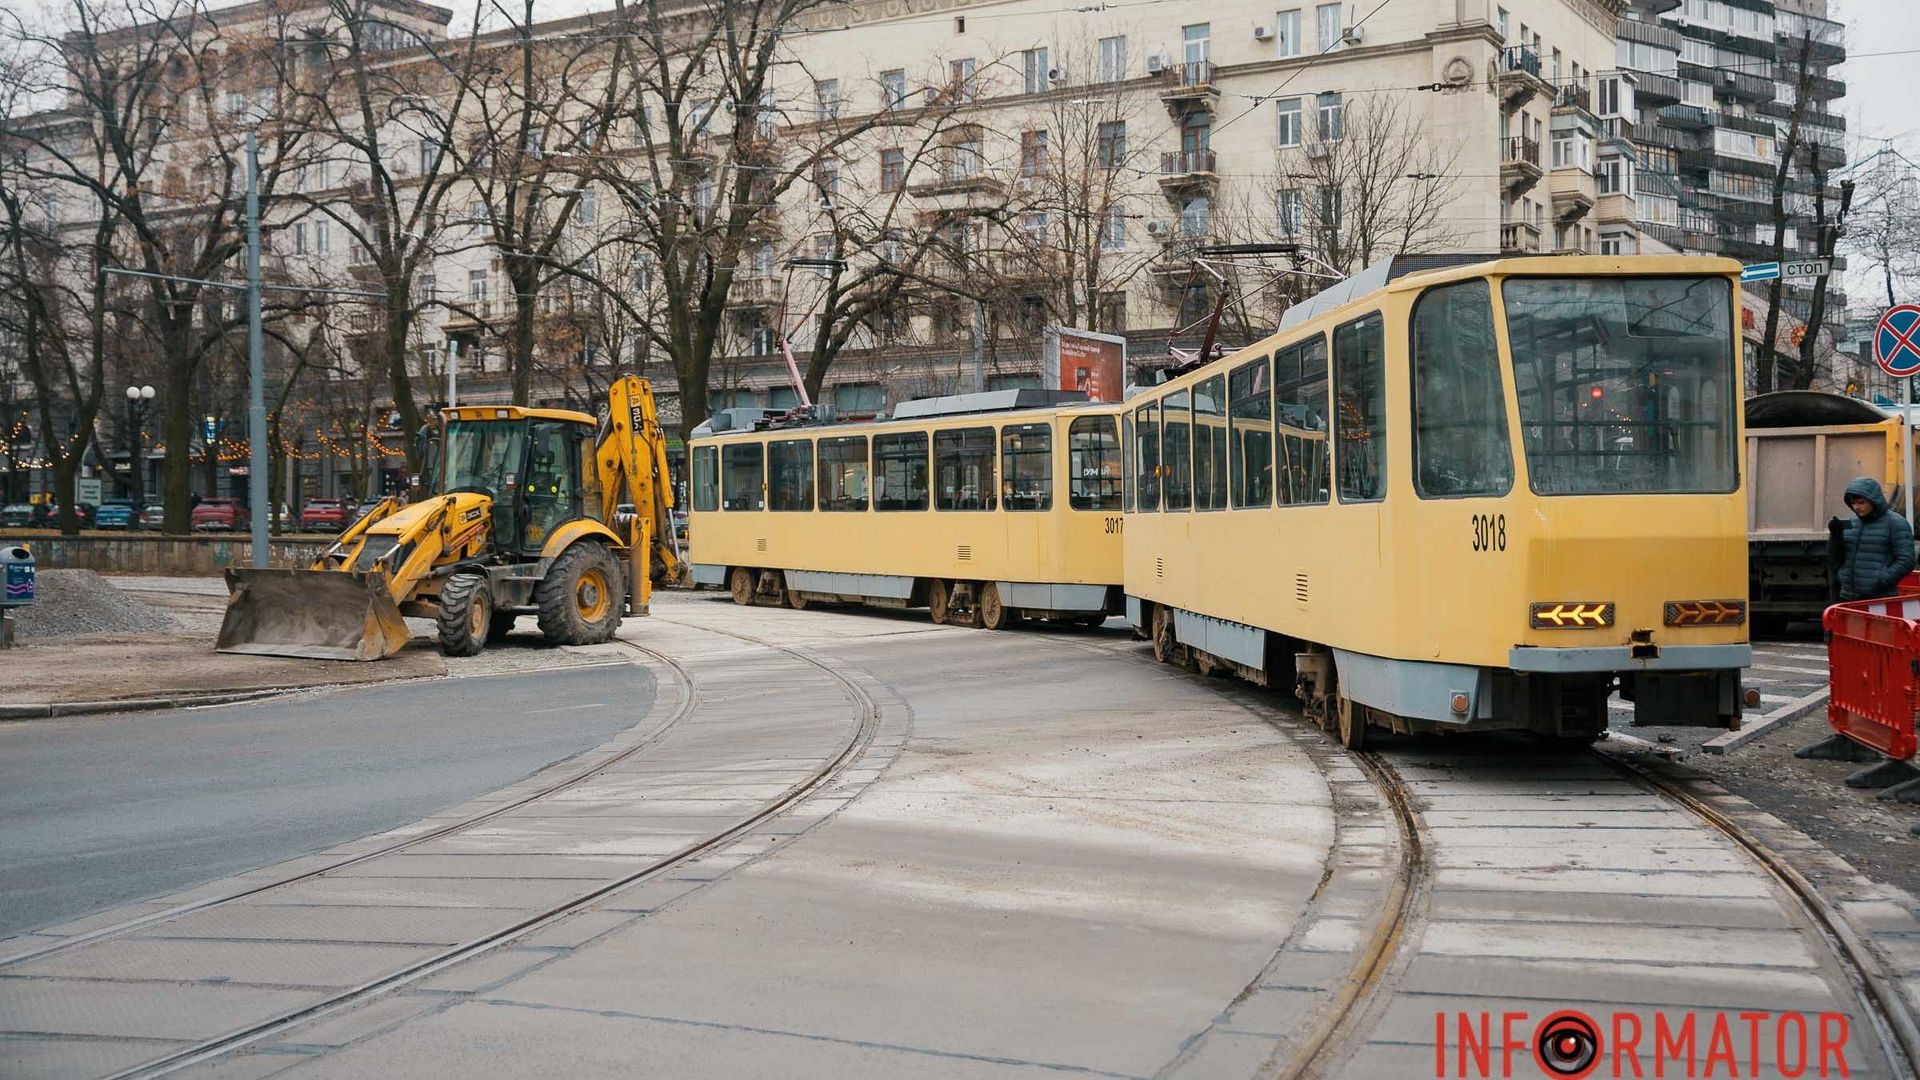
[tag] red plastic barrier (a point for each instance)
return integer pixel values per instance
(1873, 671)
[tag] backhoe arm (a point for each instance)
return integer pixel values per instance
(636, 492)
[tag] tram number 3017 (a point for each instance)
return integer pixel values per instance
(1114, 525)
(1489, 532)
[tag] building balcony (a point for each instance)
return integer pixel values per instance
(1743, 87)
(1519, 238)
(1519, 164)
(957, 194)
(1658, 35)
(1576, 99)
(1190, 85)
(1654, 89)
(1574, 193)
(753, 290)
(1691, 117)
(1520, 77)
(1187, 169)
(1173, 263)
(475, 315)
(1614, 209)
(1019, 267)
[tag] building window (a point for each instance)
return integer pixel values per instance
(843, 474)
(1332, 117)
(762, 342)
(479, 288)
(960, 77)
(429, 156)
(1197, 42)
(1026, 466)
(893, 88)
(1286, 34)
(1113, 59)
(1196, 217)
(963, 469)
(1501, 20)
(1033, 153)
(1332, 209)
(893, 170)
(1033, 70)
(586, 209)
(1113, 229)
(826, 99)
(1112, 311)
(1033, 225)
(322, 237)
(1110, 148)
(965, 162)
(1288, 133)
(300, 238)
(899, 471)
(742, 481)
(1609, 104)
(1615, 177)
(1291, 212)
(1359, 379)
(1326, 18)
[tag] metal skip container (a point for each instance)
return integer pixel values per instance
(314, 614)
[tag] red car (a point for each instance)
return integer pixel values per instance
(220, 515)
(325, 515)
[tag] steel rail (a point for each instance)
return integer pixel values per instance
(689, 699)
(867, 716)
(1883, 1002)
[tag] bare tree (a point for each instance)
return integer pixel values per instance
(1883, 231)
(1368, 182)
(1802, 96)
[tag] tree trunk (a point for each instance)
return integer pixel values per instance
(1817, 311)
(1769, 360)
(523, 312)
(176, 480)
(399, 301)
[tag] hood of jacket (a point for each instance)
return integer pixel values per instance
(1866, 487)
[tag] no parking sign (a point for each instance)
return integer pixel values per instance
(1896, 341)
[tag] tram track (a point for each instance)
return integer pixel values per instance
(865, 716)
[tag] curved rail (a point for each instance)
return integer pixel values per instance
(1884, 1003)
(867, 716)
(689, 698)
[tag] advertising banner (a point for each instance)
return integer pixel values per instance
(1084, 360)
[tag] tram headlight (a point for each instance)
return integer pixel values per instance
(1705, 612)
(1571, 614)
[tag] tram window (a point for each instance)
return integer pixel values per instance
(1146, 461)
(843, 474)
(742, 483)
(1300, 414)
(1625, 384)
(963, 469)
(1176, 452)
(1094, 463)
(900, 471)
(1460, 443)
(706, 478)
(1126, 455)
(1210, 444)
(1026, 466)
(1359, 381)
(790, 475)
(1250, 440)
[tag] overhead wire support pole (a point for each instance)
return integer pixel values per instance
(256, 368)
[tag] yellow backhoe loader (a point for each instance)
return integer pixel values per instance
(539, 512)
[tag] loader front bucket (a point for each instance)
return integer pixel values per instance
(320, 614)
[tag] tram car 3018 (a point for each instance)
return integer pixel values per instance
(982, 508)
(1479, 496)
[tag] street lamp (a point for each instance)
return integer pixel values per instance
(139, 398)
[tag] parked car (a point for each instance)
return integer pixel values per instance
(325, 515)
(153, 517)
(220, 515)
(16, 515)
(115, 514)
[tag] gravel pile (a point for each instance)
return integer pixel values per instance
(82, 602)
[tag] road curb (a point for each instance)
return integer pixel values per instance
(1792, 710)
(47, 710)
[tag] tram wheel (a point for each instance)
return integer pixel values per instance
(796, 601)
(1205, 663)
(740, 584)
(1166, 648)
(993, 616)
(1353, 724)
(937, 601)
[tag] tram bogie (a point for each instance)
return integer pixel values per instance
(1443, 537)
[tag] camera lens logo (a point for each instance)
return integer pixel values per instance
(1567, 1044)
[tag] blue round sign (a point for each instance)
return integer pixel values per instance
(1896, 341)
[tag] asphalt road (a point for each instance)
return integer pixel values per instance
(96, 812)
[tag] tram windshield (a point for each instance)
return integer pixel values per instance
(1625, 384)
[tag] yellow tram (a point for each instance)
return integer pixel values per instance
(1476, 496)
(983, 508)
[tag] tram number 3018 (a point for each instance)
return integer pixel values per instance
(1489, 532)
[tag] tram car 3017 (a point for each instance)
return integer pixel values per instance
(983, 508)
(1478, 496)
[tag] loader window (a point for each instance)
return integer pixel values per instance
(485, 456)
(553, 462)
(742, 486)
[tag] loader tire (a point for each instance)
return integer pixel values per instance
(582, 597)
(466, 614)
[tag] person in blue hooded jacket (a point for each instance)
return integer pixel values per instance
(1871, 553)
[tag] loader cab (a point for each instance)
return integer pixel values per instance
(527, 460)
